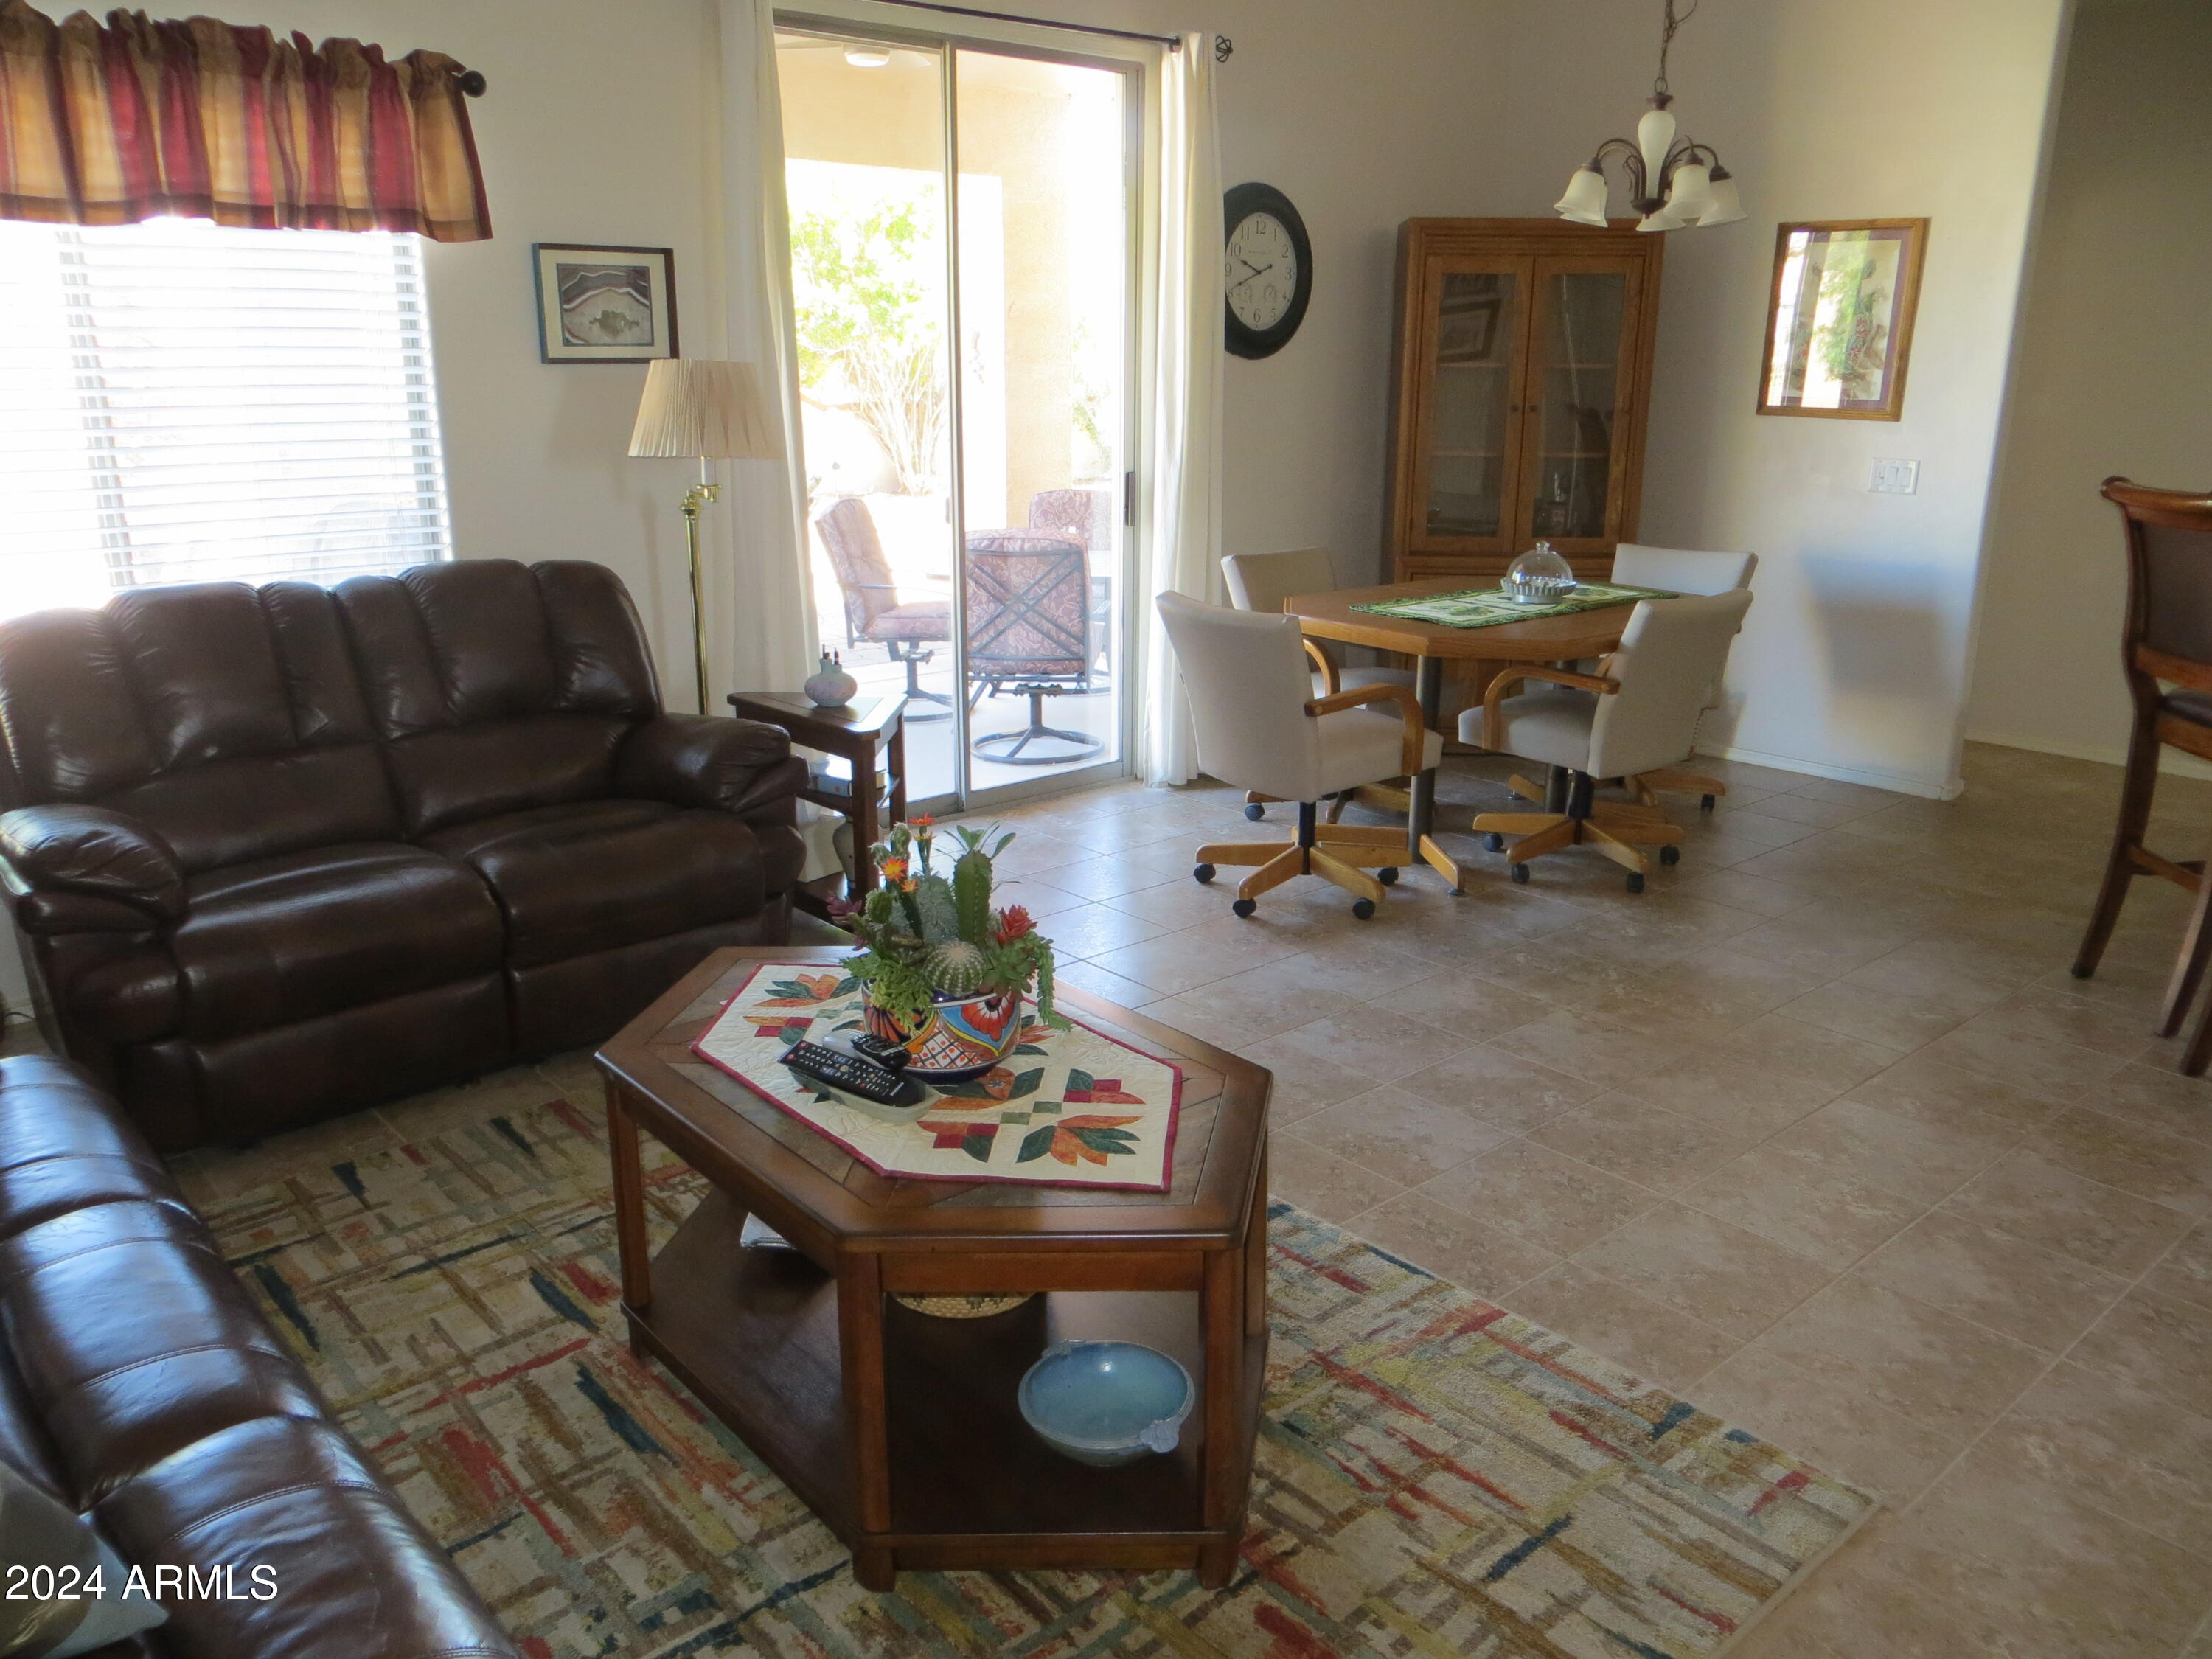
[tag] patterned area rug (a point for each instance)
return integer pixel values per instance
(1435, 1475)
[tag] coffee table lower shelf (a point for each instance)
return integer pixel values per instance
(755, 1335)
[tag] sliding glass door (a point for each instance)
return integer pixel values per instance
(963, 257)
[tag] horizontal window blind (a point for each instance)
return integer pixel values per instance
(186, 402)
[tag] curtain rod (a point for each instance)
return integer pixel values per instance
(1168, 40)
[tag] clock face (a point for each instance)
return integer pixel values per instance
(1261, 271)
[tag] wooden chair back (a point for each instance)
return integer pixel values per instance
(2168, 631)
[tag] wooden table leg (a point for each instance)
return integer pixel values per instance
(867, 1444)
(1223, 1317)
(1255, 1255)
(1429, 688)
(623, 1152)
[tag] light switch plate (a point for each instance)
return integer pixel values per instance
(1895, 479)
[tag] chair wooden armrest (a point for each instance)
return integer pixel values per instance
(1492, 733)
(1331, 679)
(1409, 708)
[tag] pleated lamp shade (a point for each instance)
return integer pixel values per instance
(700, 408)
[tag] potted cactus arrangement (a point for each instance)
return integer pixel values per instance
(943, 971)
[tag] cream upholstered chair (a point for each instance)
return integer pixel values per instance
(1262, 581)
(1637, 718)
(1682, 570)
(1260, 726)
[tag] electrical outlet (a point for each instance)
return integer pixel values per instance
(1895, 479)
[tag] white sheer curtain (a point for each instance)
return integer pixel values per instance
(1186, 500)
(760, 600)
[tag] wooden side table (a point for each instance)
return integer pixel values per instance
(856, 732)
(903, 1432)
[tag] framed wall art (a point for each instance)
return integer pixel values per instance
(1840, 318)
(604, 304)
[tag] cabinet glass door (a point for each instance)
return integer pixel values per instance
(1581, 380)
(1466, 470)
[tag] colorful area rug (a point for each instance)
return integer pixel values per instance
(1435, 1475)
(1069, 1108)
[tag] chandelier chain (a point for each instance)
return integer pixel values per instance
(1667, 38)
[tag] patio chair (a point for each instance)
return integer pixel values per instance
(1028, 632)
(1086, 517)
(872, 611)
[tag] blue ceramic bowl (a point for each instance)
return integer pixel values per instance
(1105, 1403)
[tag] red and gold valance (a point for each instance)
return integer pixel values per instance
(134, 119)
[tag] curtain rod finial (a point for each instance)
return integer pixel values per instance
(1223, 46)
(472, 82)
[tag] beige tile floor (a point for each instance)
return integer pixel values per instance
(1817, 1131)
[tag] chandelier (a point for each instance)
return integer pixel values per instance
(1673, 182)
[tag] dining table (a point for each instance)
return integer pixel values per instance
(1336, 615)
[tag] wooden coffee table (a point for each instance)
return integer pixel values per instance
(901, 1428)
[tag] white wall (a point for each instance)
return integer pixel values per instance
(588, 134)
(1854, 659)
(2116, 359)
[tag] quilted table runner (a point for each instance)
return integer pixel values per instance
(1067, 1108)
(1486, 607)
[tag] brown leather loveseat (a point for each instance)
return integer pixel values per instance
(138, 1383)
(278, 852)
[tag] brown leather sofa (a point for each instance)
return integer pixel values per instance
(138, 1383)
(278, 852)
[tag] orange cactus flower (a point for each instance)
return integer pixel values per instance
(1014, 923)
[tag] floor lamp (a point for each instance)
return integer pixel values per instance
(712, 412)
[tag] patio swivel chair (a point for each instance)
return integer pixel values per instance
(1028, 621)
(1085, 516)
(872, 610)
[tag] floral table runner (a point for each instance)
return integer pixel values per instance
(1067, 1108)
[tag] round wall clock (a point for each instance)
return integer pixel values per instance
(1267, 268)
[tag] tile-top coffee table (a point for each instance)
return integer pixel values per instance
(900, 1428)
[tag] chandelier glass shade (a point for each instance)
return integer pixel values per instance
(1673, 182)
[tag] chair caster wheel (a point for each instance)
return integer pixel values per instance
(1255, 811)
(1245, 907)
(1520, 874)
(1705, 803)
(1363, 909)
(1492, 841)
(1387, 875)
(1636, 881)
(1203, 874)
(1670, 855)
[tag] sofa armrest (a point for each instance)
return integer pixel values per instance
(726, 765)
(94, 852)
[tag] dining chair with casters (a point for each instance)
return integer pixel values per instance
(1028, 623)
(872, 610)
(1260, 728)
(1262, 581)
(1682, 570)
(1638, 717)
(2166, 641)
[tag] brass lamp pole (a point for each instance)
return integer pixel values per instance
(707, 410)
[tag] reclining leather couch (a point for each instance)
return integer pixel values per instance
(278, 852)
(139, 1384)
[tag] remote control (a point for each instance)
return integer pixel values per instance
(892, 1055)
(852, 1075)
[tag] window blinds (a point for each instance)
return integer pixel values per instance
(184, 402)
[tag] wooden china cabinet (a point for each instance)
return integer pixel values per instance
(1519, 389)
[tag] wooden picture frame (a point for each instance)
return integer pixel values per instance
(600, 304)
(1839, 314)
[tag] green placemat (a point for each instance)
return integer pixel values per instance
(1486, 607)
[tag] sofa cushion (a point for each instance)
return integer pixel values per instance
(275, 940)
(595, 875)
